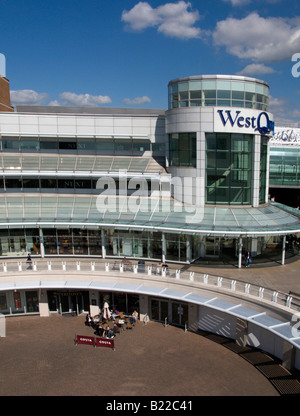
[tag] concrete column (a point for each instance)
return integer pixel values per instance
(42, 247)
(144, 307)
(43, 303)
(103, 244)
(283, 249)
(240, 241)
(164, 248)
(188, 248)
(94, 302)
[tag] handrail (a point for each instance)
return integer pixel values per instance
(204, 279)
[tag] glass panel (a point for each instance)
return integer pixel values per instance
(67, 145)
(30, 163)
(32, 301)
(49, 163)
(10, 144)
(87, 144)
(208, 85)
(223, 94)
(85, 163)
(223, 103)
(183, 86)
(30, 145)
(210, 94)
(31, 183)
(140, 146)
(195, 94)
(237, 86)
(48, 144)
(195, 85)
(250, 86)
(223, 85)
(236, 103)
(48, 183)
(237, 95)
(12, 162)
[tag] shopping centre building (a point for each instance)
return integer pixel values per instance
(182, 184)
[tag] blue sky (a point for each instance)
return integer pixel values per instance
(123, 53)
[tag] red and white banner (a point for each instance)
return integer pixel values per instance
(84, 339)
(105, 342)
(96, 342)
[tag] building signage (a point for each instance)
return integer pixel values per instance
(238, 121)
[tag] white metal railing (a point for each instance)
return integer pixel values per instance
(155, 271)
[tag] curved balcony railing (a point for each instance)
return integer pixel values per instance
(155, 271)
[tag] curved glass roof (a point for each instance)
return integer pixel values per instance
(49, 162)
(153, 214)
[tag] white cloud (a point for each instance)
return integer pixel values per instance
(237, 2)
(54, 103)
(256, 69)
(137, 100)
(27, 97)
(83, 100)
(259, 39)
(171, 19)
(284, 112)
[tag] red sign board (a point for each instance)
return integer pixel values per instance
(84, 339)
(104, 342)
(96, 342)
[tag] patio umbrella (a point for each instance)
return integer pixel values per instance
(106, 311)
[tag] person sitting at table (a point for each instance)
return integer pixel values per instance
(99, 330)
(134, 317)
(89, 320)
(114, 314)
(115, 311)
(109, 333)
(115, 329)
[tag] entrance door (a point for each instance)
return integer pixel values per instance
(179, 314)
(175, 313)
(159, 310)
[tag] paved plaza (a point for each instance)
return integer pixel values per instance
(39, 357)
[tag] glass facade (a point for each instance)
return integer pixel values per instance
(182, 149)
(109, 145)
(284, 166)
(218, 92)
(228, 168)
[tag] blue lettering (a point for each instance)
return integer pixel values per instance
(239, 121)
(256, 124)
(228, 112)
(269, 124)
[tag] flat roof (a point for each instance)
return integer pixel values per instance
(47, 109)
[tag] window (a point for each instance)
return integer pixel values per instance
(183, 149)
(228, 168)
(67, 145)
